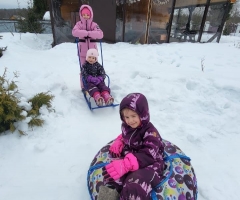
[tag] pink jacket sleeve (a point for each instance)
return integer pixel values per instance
(78, 31)
(96, 32)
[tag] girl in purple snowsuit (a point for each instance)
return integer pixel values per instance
(87, 31)
(140, 151)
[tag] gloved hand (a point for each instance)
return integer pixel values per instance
(84, 33)
(116, 147)
(117, 168)
(89, 78)
(92, 79)
(90, 34)
(100, 79)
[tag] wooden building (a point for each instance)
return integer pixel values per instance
(144, 21)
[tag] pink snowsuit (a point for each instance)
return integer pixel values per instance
(87, 31)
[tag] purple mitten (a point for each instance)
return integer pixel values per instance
(99, 80)
(92, 79)
(89, 78)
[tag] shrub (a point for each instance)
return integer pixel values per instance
(40, 7)
(31, 23)
(2, 48)
(13, 110)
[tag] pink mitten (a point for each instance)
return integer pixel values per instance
(116, 147)
(118, 168)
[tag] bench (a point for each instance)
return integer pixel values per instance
(187, 33)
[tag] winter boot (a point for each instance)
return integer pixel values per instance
(106, 193)
(107, 98)
(98, 99)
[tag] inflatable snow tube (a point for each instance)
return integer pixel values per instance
(179, 180)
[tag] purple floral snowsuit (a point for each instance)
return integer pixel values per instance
(146, 145)
(94, 32)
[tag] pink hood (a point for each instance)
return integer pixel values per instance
(89, 21)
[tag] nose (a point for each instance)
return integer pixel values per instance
(130, 120)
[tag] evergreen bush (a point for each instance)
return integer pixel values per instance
(31, 23)
(40, 7)
(11, 109)
(2, 48)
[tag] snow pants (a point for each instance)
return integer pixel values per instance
(97, 88)
(136, 185)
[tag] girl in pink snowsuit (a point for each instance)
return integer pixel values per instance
(87, 31)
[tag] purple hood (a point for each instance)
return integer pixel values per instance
(144, 141)
(138, 103)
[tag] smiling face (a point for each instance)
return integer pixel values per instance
(131, 118)
(91, 59)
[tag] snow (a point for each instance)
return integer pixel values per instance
(47, 16)
(198, 110)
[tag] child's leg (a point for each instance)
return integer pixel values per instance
(91, 89)
(102, 87)
(98, 99)
(105, 93)
(108, 99)
(139, 184)
(95, 93)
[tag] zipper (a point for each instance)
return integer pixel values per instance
(131, 137)
(87, 38)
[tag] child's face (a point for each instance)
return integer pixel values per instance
(91, 59)
(85, 16)
(131, 118)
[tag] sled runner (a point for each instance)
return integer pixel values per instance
(88, 98)
(179, 180)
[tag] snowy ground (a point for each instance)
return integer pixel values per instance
(197, 110)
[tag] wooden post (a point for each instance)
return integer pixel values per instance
(52, 22)
(124, 18)
(148, 20)
(203, 21)
(220, 29)
(170, 20)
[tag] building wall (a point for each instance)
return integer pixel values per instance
(67, 7)
(104, 14)
(144, 21)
